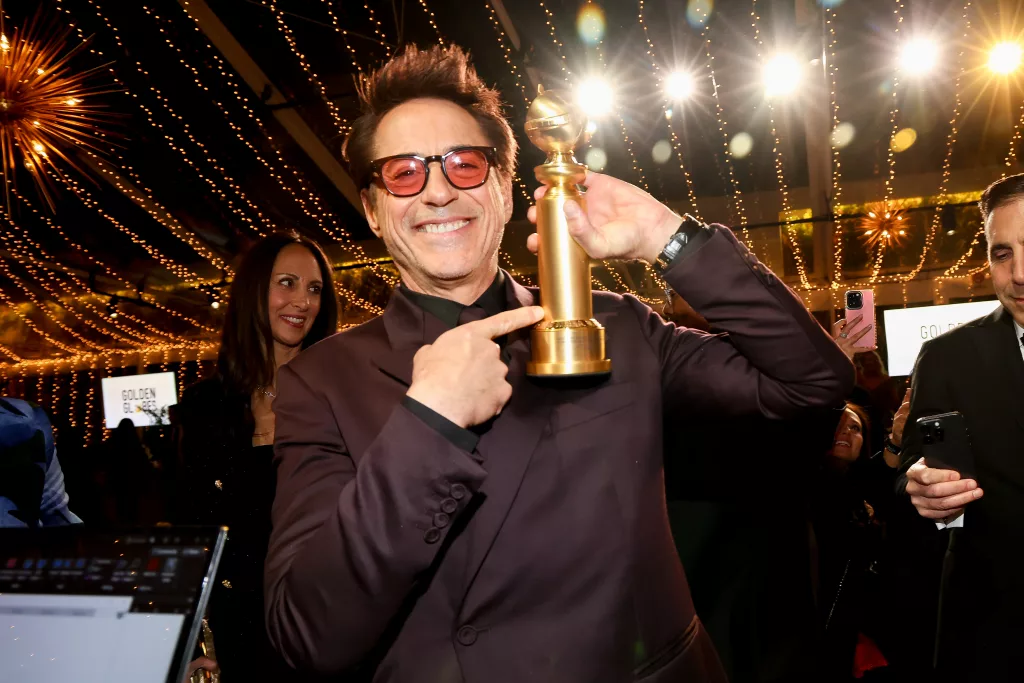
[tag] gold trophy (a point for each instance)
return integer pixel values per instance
(568, 341)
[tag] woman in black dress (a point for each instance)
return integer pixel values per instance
(282, 300)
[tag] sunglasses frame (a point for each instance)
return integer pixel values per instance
(377, 165)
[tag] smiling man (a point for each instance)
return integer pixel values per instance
(978, 370)
(442, 517)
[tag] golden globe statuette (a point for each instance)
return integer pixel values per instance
(568, 341)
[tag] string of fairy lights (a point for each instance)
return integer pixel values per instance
(667, 112)
(890, 177)
(735, 195)
(954, 123)
(339, 121)
(837, 188)
(787, 208)
(324, 218)
(184, 128)
(345, 293)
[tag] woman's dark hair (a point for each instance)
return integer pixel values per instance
(246, 358)
(1001, 192)
(443, 73)
(865, 429)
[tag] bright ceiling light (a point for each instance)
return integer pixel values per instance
(1004, 58)
(782, 74)
(594, 96)
(679, 86)
(919, 56)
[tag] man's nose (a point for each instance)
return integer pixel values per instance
(438, 191)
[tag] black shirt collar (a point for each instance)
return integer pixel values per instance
(493, 301)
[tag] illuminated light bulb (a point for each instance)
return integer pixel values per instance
(782, 74)
(1005, 58)
(919, 56)
(594, 96)
(72, 101)
(679, 86)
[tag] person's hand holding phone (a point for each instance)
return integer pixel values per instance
(848, 332)
(939, 495)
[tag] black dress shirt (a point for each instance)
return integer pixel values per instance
(453, 314)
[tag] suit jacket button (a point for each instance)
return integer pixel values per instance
(466, 635)
(449, 505)
(459, 491)
(433, 535)
(441, 520)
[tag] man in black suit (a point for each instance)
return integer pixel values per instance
(978, 370)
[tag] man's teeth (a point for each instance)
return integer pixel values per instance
(438, 228)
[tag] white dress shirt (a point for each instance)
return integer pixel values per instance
(959, 521)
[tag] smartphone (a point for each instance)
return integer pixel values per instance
(862, 302)
(946, 444)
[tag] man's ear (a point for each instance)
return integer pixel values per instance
(369, 208)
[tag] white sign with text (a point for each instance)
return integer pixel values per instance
(906, 329)
(143, 399)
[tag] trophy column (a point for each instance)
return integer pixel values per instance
(568, 341)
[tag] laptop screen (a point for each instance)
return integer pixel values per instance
(86, 606)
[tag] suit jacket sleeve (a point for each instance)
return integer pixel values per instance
(774, 360)
(349, 545)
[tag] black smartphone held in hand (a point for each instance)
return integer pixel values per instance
(946, 444)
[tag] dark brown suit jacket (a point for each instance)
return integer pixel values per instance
(545, 554)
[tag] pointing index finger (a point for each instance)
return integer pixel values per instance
(508, 321)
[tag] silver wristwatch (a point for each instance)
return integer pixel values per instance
(687, 230)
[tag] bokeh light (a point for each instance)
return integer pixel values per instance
(903, 140)
(1005, 58)
(662, 151)
(679, 86)
(590, 24)
(594, 96)
(591, 127)
(782, 75)
(596, 159)
(698, 12)
(919, 56)
(843, 134)
(741, 145)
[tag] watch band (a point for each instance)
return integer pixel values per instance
(891, 447)
(688, 229)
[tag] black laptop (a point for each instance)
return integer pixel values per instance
(90, 606)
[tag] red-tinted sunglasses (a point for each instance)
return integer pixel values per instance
(405, 175)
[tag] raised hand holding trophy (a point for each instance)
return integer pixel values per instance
(568, 341)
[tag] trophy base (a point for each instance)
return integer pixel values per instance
(568, 348)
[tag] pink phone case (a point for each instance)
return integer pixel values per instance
(867, 313)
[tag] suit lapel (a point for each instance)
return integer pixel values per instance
(408, 328)
(507, 450)
(509, 445)
(1002, 351)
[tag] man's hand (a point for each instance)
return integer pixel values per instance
(621, 221)
(939, 494)
(845, 337)
(461, 375)
(899, 421)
